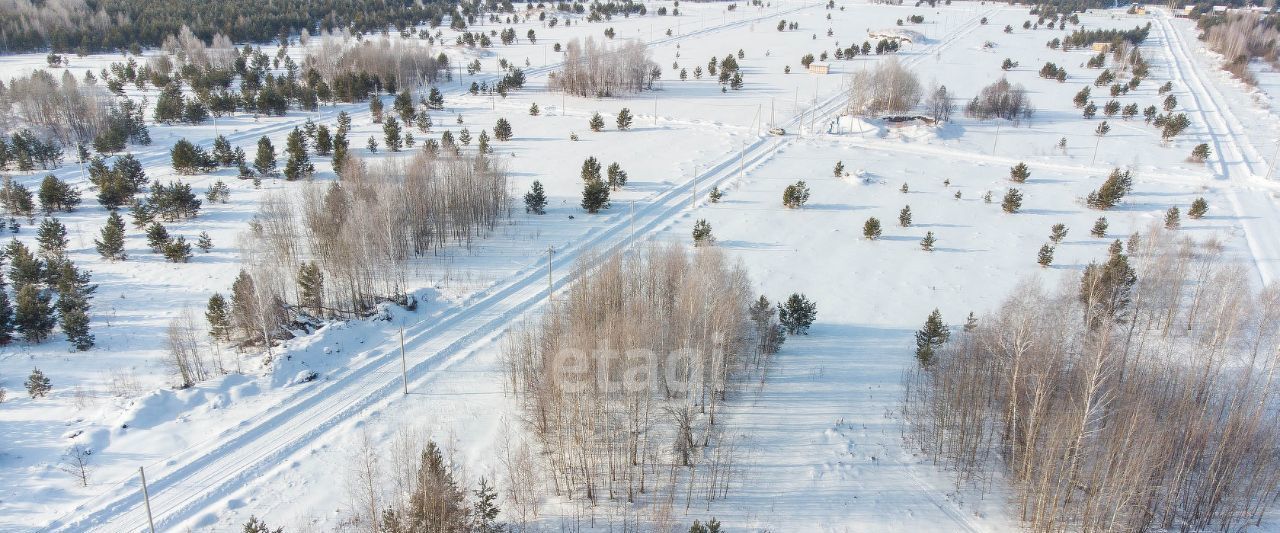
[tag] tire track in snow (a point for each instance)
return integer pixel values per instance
(1256, 212)
(216, 469)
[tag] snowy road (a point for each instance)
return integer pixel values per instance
(1234, 160)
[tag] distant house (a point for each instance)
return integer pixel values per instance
(1101, 47)
(819, 67)
(1219, 9)
(1187, 11)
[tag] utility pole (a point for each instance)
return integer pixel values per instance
(146, 497)
(404, 367)
(655, 110)
(997, 141)
(551, 252)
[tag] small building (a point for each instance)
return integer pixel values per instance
(1101, 47)
(1187, 11)
(1219, 9)
(819, 67)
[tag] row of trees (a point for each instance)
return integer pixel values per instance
(601, 70)
(1138, 398)
(336, 250)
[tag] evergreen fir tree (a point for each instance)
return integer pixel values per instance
(6, 318)
(1045, 256)
(482, 143)
(340, 154)
(839, 170)
(435, 100)
(797, 314)
(970, 323)
(485, 511)
(38, 386)
(533, 110)
(927, 242)
(223, 153)
(204, 242)
(375, 109)
(591, 169)
(931, 337)
(1198, 208)
(871, 229)
(324, 141)
(391, 134)
(52, 239)
(24, 268)
(795, 195)
(1099, 228)
(1173, 218)
(265, 160)
(595, 196)
(624, 120)
(372, 145)
(1057, 233)
(535, 201)
(73, 314)
(188, 158)
(1019, 173)
(344, 123)
(597, 123)
(702, 233)
(216, 314)
(1012, 201)
(33, 316)
(311, 288)
(254, 525)
(502, 130)
(157, 237)
(904, 217)
(57, 195)
(1200, 153)
(617, 176)
(177, 250)
(715, 195)
(297, 164)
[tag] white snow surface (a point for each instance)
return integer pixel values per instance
(822, 437)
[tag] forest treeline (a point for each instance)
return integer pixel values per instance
(1141, 397)
(84, 26)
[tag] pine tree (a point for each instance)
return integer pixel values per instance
(324, 141)
(482, 143)
(590, 169)
(38, 386)
(223, 153)
(33, 316)
(177, 250)
(1012, 201)
(795, 195)
(157, 237)
(617, 176)
(797, 314)
(258, 526)
(1057, 233)
(1045, 256)
(871, 229)
(533, 110)
(297, 164)
(265, 160)
(311, 288)
(375, 109)
(216, 314)
(502, 130)
(931, 337)
(904, 217)
(57, 195)
(715, 195)
(6, 318)
(73, 314)
(596, 123)
(595, 196)
(535, 201)
(24, 268)
(970, 323)
(927, 242)
(702, 233)
(187, 158)
(624, 120)
(904, 188)
(340, 154)
(204, 242)
(1198, 208)
(1099, 228)
(839, 170)
(391, 134)
(1201, 152)
(52, 239)
(435, 100)
(372, 145)
(1172, 218)
(485, 511)
(1019, 173)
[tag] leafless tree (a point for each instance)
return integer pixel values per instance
(600, 70)
(1153, 412)
(887, 88)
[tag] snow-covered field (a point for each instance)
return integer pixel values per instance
(822, 438)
